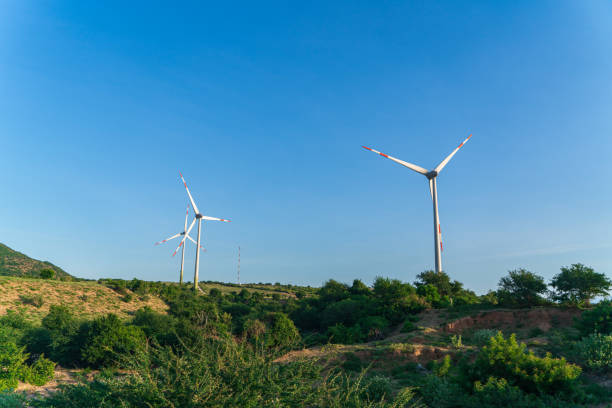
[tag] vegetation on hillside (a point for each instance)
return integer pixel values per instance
(13, 263)
(233, 348)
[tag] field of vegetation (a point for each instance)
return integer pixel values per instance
(430, 343)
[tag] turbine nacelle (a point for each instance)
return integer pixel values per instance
(431, 174)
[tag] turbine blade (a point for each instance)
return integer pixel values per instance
(193, 240)
(168, 239)
(185, 237)
(411, 166)
(186, 216)
(450, 156)
(195, 207)
(204, 217)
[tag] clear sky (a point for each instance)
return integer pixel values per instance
(264, 106)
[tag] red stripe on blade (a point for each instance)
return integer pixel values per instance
(384, 155)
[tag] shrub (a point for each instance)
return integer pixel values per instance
(506, 358)
(396, 299)
(127, 298)
(12, 359)
(282, 332)
(34, 300)
(456, 341)
(340, 334)
(497, 392)
(107, 340)
(40, 373)
(215, 293)
(156, 326)
(223, 373)
(598, 319)
(442, 368)
(373, 327)
(254, 329)
(378, 388)
(352, 362)
(47, 273)
(12, 400)
(58, 337)
(482, 336)
(430, 293)
(596, 351)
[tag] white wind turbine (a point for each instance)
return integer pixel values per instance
(198, 217)
(184, 232)
(431, 176)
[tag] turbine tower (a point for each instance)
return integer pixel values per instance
(431, 176)
(199, 217)
(184, 232)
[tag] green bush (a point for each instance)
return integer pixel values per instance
(34, 300)
(378, 388)
(506, 358)
(58, 337)
(430, 293)
(598, 319)
(47, 273)
(596, 351)
(159, 327)
(497, 392)
(340, 334)
(482, 336)
(373, 327)
(12, 400)
(408, 327)
(221, 372)
(352, 362)
(456, 341)
(12, 363)
(39, 373)
(282, 332)
(442, 368)
(108, 340)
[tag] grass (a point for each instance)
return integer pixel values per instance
(86, 299)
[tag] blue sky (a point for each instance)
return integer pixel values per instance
(264, 107)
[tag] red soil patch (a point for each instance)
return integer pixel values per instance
(543, 318)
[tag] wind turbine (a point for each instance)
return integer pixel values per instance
(431, 176)
(184, 232)
(198, 217)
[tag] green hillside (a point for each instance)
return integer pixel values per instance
(13, 263)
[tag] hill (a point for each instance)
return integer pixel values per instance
(34, 297)
(14, 263)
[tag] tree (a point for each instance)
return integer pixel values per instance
(282, 332)
(440, 280)
(521, 288)
(359, 288)
(396, 299)
(578, 284)
(47, 273)
(430, 293)
(333, 291)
